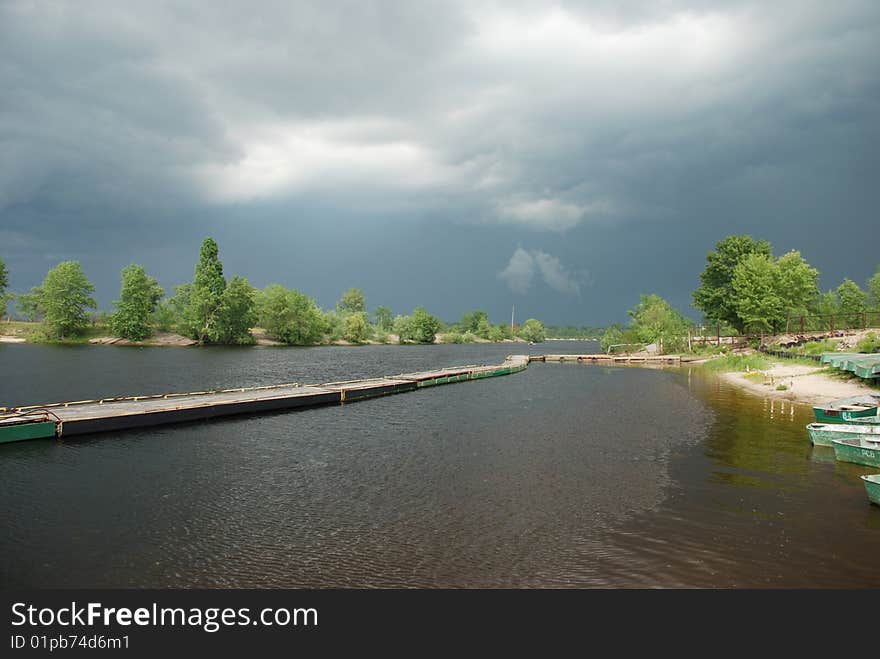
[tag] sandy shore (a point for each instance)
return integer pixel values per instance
(805, 384)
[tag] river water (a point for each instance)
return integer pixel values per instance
(560, 476)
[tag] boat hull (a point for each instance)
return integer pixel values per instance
(872, 487)
(851, 450)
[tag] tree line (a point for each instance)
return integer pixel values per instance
(212, 310)
(745, 288)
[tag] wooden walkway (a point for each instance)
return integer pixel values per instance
(111, 414)
(90, 416)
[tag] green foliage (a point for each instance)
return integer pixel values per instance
(237, 313)
(756, 293)
(871, 343)
(66, 294)
(797, 283)
(28, 304)
(715, 296)
(356, 327)
(737, 362)
(476, 321)
(781, 387)
(290, 316)
(352, 301)
(874, 290)
(825, 304)
(655, 321)
(853, 303)
(533, 330)
(452, 337)
(206, 296)
(164, 317)
(424, 326)
(420, 327)
(137, 301)
(612, 336)
(384, 318)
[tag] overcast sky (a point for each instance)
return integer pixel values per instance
(563, 158)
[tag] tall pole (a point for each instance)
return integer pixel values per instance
(512, 311)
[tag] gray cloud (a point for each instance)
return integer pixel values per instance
(525, 265)
(142, 126)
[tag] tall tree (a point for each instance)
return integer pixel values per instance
(384, 318)
(715, 297)
(756, 293)
(352, 301)
(206, 294)
(798, 283)
(66, 293)
(853, 303)
(137, 301)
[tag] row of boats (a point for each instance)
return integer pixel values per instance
(851, 426)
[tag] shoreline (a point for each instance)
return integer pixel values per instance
(805, 384)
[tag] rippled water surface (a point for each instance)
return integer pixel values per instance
(563, 475)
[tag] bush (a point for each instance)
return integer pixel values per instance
(871, 343)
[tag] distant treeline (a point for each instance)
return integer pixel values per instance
(572, 332)
(212, 310)
(744, 289)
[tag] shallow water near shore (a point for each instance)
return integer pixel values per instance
(563, 475)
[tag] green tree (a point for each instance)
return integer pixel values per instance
(874, 290)
(853, 303)
(357, 329)
(655, 321)
(533, 330)
(137, 301)
(613, 336)
(352, 301)
(384, 318)
(756, 293)
(290, 316)
(424, 326)
(66, 294)
(474, 322)
(797, 282)
(179, 305)
(403, 327)
(715, 296)
(237, 313)
(28, 304)
(206, 295)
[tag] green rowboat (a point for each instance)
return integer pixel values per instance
(872, 485)
(846, 409)
(851, 450)
(823, 434)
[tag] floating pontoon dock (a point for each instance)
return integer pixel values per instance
(110, 414)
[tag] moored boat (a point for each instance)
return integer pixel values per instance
(844, 409)
(822, 434)
(872, 486)
(851, 450)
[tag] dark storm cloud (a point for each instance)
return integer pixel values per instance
(592, 149)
